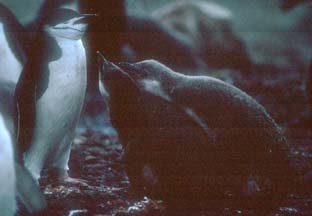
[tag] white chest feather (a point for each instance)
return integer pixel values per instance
(10, 67)
(69, 71)
(67, 79)
(7, 172)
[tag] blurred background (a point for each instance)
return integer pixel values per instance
(270, 33)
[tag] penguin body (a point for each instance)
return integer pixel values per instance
(226, 144)
(11, 67)
(15, 179)
(60, 94)
(7, 173)
(12, 172)
(12, 48)
(6, 105)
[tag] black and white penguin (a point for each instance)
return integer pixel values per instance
(15, 179)
(51, 92)
(7, 173)
(203, 138)
(18, 41)
(13, 42)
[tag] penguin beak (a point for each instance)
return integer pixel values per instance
(108, 69)
(106, 66)
(90, 17)
(101, 57)
(86, 19)
(79, 23)
(102, 61)
(131, 69)
(112, 78)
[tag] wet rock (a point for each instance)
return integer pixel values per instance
(143, 207)
(77, 212)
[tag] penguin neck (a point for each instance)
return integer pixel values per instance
(64, 34)
(65, 40)
(170, 82)
(69, 47)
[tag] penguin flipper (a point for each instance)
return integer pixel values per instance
(28, 190)
(25, 110)
(202, 124)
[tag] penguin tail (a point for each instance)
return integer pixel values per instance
(28, 190)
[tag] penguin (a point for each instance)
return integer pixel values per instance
(16, 42)
(204, 139)
(50, 94)
(15, 178)
(7, 173)
(13, 40)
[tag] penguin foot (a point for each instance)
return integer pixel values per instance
(73, 181)
(61, 177)
(252, 187)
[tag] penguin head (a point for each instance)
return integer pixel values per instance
(115, 82)
(147, 69)
(124, 102)
(66, 23)
(151, 76)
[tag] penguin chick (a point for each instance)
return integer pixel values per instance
(59, 94)
(202, 137)
(142, 119)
